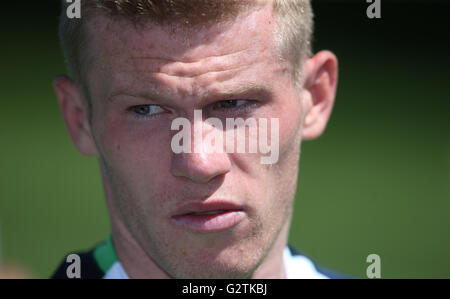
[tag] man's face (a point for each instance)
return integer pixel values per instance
(148, 186)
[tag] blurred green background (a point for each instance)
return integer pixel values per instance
(378, 180)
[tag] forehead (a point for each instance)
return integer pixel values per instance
(150, 54)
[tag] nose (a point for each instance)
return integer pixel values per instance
(200, 165)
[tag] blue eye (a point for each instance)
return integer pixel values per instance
(147, 110)
(229, 104)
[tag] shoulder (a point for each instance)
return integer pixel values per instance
(99, 262)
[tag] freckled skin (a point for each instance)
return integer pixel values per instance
(145, 182)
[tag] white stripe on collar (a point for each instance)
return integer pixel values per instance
(300, 267)
(116, 272)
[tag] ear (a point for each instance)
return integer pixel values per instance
(75, 113)
(319, 89)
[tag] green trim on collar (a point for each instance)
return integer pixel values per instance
(105, 254)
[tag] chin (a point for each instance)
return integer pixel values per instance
(216, 272)
(228, 264)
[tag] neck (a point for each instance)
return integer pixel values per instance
(132, 256)
(272, 266)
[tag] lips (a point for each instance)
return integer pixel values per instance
(213, 216)
(208, 213)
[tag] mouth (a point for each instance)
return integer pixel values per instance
(207, 218)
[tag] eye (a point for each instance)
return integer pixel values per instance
(230, 104)
(147, 110)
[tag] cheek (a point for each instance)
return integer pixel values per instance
(293, 109)
(138, 152)
(281, 177)
(290, 121)
(136, 161)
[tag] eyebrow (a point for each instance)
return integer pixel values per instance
(243, 89)
(147, 94)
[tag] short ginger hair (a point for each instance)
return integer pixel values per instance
(295, 18)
